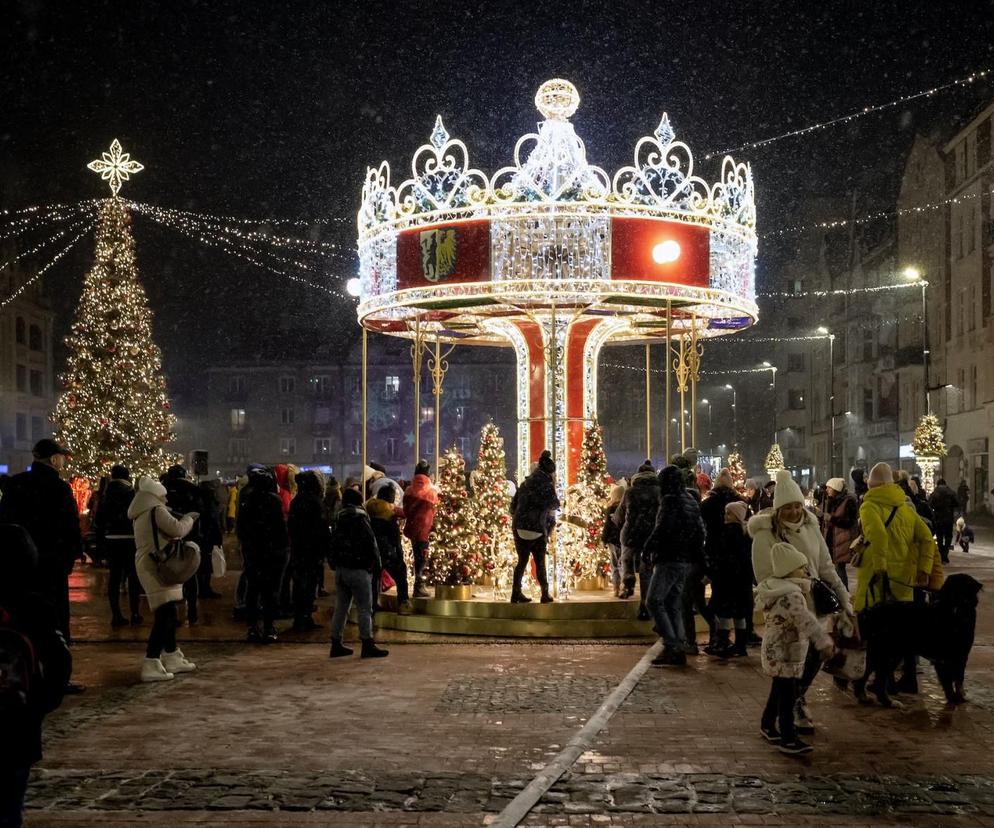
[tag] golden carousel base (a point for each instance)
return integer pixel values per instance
(590, 615)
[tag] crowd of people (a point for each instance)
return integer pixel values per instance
(684, 545)
(785, 551)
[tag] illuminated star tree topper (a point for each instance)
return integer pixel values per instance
(116, 166)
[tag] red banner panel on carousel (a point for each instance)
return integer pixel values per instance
(652, 250)
(443, 254)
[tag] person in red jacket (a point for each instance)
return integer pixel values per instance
(420, 502)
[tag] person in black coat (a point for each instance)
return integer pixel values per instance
(212, 529)
(533, 514)
(116, 537)
(36, 666)
(354, 556)
(944, 505)
(675, 547)
(265, 548)
(385, 521)
(42, 502)
(184, 496)
(713, 515)
(637, 517)
(309, 538)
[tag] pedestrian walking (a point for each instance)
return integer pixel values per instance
(718, 566)
(839, 521)
(963, 496)
(674, 547)
(35, 668)
(42, 502)
(944, 504)
(637, 516)
(116, 535)
(309, 540)
(354, 557)
(784, 595)
(611, 534)
(420, 503)
(163, 658)
(731, 583)
(789, 522)
(533, 515)
(265, 550)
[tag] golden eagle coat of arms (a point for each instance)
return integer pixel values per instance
(438, 253)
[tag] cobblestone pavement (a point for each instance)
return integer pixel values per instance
(446, 733)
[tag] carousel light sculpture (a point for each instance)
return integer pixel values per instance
(555, 258)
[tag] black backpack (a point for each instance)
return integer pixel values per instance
(18, 669)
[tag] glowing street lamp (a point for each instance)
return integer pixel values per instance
(353, 286)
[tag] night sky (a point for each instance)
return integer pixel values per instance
(264, 109)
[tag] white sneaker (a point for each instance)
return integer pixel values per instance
(152, 670)
(176, 662)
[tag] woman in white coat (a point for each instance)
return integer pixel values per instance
(789, 522)
(163, 658)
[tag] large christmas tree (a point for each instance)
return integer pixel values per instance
(928, 439)
(587, 555)
(492, 503)
(114, 407)
(738, 470)
(453, 553)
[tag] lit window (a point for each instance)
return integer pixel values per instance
(427, 413)
(322, 446)
(392, 386)
(288, 446)
(237, 419)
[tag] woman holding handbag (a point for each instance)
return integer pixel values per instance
(155, 529)
(789, 522)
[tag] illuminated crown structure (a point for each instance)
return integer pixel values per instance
(555, 258)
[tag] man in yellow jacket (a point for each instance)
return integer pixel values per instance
(900, 543)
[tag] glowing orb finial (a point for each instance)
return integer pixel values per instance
(665, 252)
(557, 99)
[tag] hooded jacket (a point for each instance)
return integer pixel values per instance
(904, 549)
(807, 539)
(637, 513)
(282, 474)
(261, 527)
(151, 499)
(184, 496)
(840, 525)
(31, 615)
(944, 505)
(678, 535)
(111, 520)
(353, 544)
(534, 504)
(420, 502)
(790, 625)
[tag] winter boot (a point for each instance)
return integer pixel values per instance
(546, 598)
(719, 645)
(370, 650)
(738, 649)
(118, 621)
(338, 649)
(420, 591)
(152, 670)
(518, 598)
(176, 662)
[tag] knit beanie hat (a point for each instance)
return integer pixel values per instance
(546, 464)
(836, 484)
(785, 558)
(787, 490)
(724, 479)
(736, 512)
(879, 475)
(152, 486)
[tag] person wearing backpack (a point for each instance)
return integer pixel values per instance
(36, 668)
(155, 526)
(354, 557)
(116, 534)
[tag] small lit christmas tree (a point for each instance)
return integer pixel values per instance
(587, 556)
(454, 557)
(492, 503)
(114, 407)
(774, 460)
(928, 440)
(738, 470)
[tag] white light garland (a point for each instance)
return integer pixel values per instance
(917, 283)
(859, 113)
(45, 268)
(42, 244)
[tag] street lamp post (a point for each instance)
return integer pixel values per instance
(735, 416)
(708, 404)
(773, 385)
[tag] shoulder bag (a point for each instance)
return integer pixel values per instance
(177, 561)
(858, 547)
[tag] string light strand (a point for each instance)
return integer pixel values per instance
(859, 113)
(44, 269)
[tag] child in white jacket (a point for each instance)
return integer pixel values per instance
(785, 596)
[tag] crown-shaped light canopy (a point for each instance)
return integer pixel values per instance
(458, 247)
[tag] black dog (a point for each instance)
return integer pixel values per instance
(942, 632)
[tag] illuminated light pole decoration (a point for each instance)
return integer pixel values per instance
(555, 258)
(114, 407)
(929, 447)
(774, 460)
